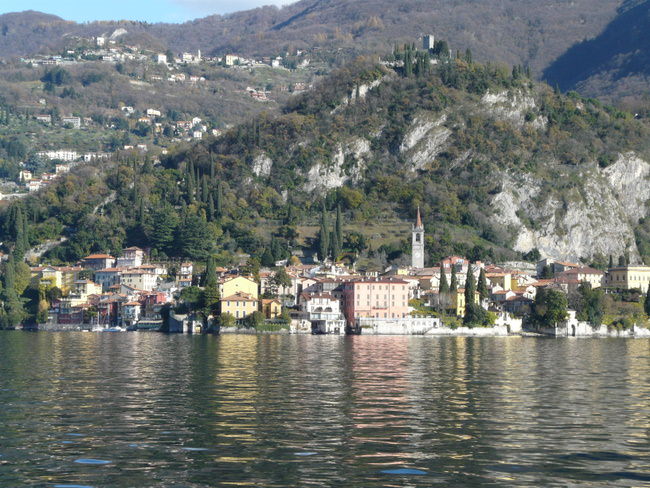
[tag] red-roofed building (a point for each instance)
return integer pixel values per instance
(99, 261)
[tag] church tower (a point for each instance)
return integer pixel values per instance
(417, 244)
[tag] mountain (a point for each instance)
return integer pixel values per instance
(527, 32)
(501, 167)
(615, 65)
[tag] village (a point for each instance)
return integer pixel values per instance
(107, 293)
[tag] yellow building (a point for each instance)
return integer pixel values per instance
(238, 284)
(628, 277)
(240, 305)
(458, 301)
(61, 277)
(271, 308)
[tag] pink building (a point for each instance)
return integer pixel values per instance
(375, 298)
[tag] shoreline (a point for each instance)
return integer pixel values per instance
(499, 331)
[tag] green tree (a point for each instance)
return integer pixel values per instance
(254, 320)
(444, 286)
(163, 227)
(338, 229)
(13, 307)
(193, 238)
(323, 237)
(591, 304)
(453, 285)
(226, 320)
(646, 303)
(281, 279)
(550, 307)
(267, 258)
(473, 315)
(482, 287)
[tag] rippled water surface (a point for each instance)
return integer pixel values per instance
(139, 410)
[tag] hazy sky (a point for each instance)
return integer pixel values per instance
(148, 10)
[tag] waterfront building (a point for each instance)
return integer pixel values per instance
(375, 298)
(628, 278)
(240, 305)
(238, 284)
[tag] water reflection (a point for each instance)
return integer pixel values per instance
(150, 410)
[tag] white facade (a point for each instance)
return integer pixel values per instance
(61, 154)
(139, 280)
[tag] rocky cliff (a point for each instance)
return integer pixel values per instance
(494, 160)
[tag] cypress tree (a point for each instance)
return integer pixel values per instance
(210, 295)
(444, 286)
(14, 312)
(204, 189)
(191, 185)
(19, 225)
(453, 286)
(210, 208)
(339, 228)
(335, 250)
(323, 237)
(611, 262)
(218, 204)
(470, 293)
(646, 303)
(482, 287)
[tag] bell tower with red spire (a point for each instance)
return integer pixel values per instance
(417, 243)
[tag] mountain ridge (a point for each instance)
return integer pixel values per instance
(514, 32)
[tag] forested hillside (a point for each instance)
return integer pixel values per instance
(502, 167)
(615, 65)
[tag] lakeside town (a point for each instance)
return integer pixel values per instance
(132, 292)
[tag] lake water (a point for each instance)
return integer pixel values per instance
(140, 410)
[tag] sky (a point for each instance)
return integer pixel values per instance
(145, 10)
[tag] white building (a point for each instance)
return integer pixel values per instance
(75, 122)
(139, 279)
(61, 154)
(132, 257)
(428, 42)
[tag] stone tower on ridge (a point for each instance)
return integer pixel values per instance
(417, 243)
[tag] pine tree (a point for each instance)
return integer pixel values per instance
(482, 287)
(163, 227)
(453, 286)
